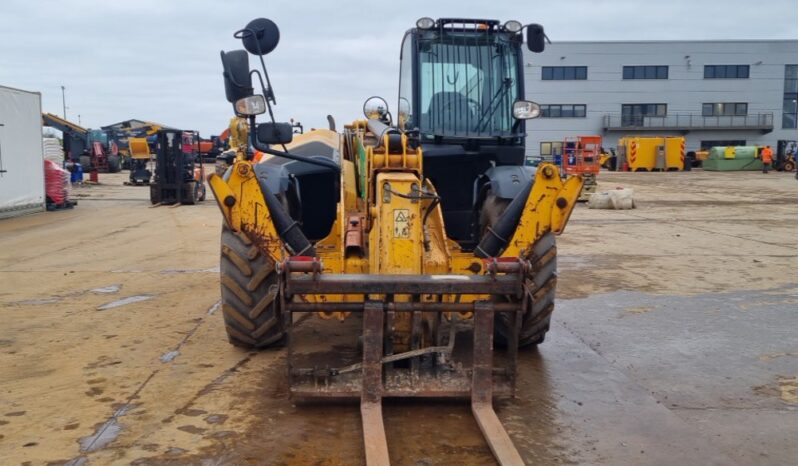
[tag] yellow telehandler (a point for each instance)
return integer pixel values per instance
(426, 232)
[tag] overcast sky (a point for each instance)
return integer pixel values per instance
(158, 60)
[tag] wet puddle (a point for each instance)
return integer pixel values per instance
(170, 356)
(215, 307)
(36, 301)
(79, 461)
(106, 433)
(125, 301)
(176, 271)
(111, 289)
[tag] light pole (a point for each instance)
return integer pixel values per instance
(78, 119)
(63, 100)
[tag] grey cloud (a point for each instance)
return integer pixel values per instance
(159, 60)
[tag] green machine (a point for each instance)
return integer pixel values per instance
(739, 158)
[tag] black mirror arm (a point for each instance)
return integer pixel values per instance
(253, 139)
(270, 94)
(548, 41)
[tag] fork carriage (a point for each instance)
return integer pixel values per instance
(422, 371)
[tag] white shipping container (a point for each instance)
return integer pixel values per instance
(21, 159)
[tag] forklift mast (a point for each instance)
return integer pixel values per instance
(176, 160)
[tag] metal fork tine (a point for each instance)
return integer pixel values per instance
(374, 438)
(482, 390)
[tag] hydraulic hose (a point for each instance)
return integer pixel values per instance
(286, 227)
(498, 235)
(380, 129)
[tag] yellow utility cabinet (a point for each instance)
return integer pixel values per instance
(652, 153)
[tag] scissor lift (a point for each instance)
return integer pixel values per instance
(581, 155)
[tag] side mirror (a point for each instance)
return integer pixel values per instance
(237, 80)
(260, 37)
(275, 133)
(525, 110)
(535, 38)
(375, 108)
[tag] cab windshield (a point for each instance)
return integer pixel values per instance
(468, 83)
(97, 135)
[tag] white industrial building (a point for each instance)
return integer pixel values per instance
(722, 92)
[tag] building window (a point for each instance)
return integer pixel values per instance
(706, 145)
(724, 109)
(550, 148)
(726, 71)
(645, 72)
(561, 73)
(634, 114)
(563, 111)
(789, 116)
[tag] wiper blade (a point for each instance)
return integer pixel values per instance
(493, 106)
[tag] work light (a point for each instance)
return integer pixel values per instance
(252, 105)
(512, 26)
(425, 23)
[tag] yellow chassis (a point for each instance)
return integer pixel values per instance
(394, 240)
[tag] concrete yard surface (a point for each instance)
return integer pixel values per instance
(674, 341)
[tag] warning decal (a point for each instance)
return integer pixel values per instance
(401, 223)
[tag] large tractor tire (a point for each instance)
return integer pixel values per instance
(201, 192)
(85, 162)
(114, 164)
(155, 194)
(539, 285)
(250, 302)
(190, 193)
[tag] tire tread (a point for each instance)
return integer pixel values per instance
(541, 284)
(248, 282)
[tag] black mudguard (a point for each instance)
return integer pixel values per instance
(507, 181)
(273, 176)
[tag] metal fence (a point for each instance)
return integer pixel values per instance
(759, 121)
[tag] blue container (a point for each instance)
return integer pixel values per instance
(77, 174)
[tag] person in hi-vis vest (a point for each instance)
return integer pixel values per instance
(767, 158)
